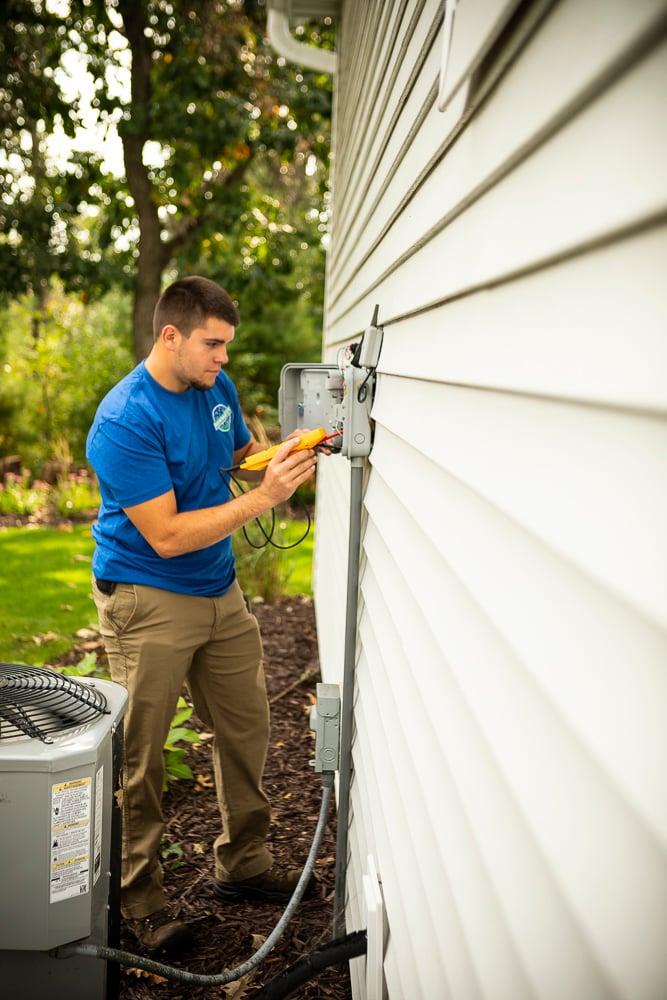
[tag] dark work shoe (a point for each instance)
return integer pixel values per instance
(276, 885)
(161, 932)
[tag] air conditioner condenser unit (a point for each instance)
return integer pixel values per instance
(61, 746)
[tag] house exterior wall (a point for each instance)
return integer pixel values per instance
(509, 749)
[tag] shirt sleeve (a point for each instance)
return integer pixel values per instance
(130, 464)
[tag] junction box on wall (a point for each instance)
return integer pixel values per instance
(325, 723)
(337, 397)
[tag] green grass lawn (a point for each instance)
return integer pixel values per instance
(45, 584)
(45, 592)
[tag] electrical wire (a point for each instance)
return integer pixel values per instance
(332, 953)
(362, 391)
(85, 950)
(268, 534)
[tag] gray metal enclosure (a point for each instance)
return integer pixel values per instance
(60, 854)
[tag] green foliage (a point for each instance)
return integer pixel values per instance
(43, 207)
(245, 142)
(216, 103)
(225, 151)
(87, 666)
(277, 277)
(267, 573)
(172, 855)
(52, 386)
(174, 763)
(20, 494)
(75, 494)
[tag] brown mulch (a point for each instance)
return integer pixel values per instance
(228, 934)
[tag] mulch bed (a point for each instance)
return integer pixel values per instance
(228, 934)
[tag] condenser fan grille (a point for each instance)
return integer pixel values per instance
(40, 703)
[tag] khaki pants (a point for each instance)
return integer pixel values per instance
(156, 641)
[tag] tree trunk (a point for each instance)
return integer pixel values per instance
(150, 268)
(154, 254)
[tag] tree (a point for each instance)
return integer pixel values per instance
(206, 100)
(42, 228)
(225, 157)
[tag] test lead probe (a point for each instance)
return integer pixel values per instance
(260, 459)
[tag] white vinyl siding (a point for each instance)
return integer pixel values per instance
(510, 747)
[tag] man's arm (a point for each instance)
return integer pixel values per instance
(171, 532)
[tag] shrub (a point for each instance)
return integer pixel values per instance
(20, 494)
(74, 495)
(43, 397)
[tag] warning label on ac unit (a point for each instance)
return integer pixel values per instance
(70, 839)
(97, 838)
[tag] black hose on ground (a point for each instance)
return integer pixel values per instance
(340, 950)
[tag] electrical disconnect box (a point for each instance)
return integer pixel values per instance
(325, 723)
(337, 397)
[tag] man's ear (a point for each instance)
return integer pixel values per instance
(169, 335)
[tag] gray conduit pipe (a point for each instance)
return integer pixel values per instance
(347, 707)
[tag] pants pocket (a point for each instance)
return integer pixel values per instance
(115, 611)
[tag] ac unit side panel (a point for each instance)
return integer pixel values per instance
(55, 838)
(47, 841)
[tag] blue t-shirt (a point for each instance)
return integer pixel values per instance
(146, 440)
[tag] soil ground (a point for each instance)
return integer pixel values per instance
(228, 934)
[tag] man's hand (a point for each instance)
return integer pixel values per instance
(287, 470)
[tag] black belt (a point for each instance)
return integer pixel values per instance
(106, 586)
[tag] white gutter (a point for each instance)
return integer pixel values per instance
(282, 40)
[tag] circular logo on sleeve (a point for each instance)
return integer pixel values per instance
(222, 417)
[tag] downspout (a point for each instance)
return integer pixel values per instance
(282, 40)
(347, 706)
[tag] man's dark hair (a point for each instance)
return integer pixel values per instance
(189, 302)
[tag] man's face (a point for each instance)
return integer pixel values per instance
(199, 357)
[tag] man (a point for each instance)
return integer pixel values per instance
(170, 609)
